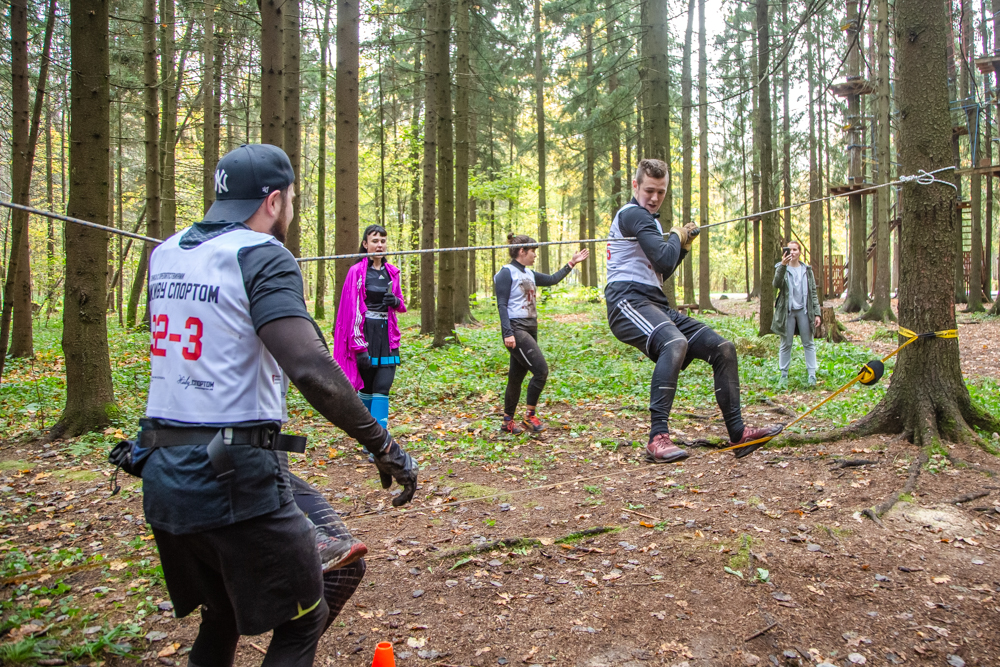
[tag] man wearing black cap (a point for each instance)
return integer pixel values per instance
(229, 330)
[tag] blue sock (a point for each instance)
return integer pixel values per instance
(367, 400)
(380, 409)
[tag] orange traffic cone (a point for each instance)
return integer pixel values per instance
(383, 656)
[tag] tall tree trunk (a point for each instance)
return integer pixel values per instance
(769, 224)
(590, 157)
(430, 173)
(473, 237)
(881, 308)
(50, 232)
(272, 107)
(655, 45)
(815, 182)
(414, 261)
(955, 79)
(543, 225)
(616, 148)
(90, 402)
(988, 144)
(704, 273)
(786, 135)
(857, 292)
(319, 306)
(18, 283)
(973, 121)
(347, 106)
(995, 9)
(444, 329)
(927, 399)
(18, 291)
(755, 178)
(293, 129)
(463, 83)
(168, 121)
(210, 131)
(151, 123)
(686, 149)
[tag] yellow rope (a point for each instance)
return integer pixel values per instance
(903, 331)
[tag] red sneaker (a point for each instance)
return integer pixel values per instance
(533, 424)
(663, 450)
(511, 427)
(336, 552)
(763, 435)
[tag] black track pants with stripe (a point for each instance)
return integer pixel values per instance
(672, 341)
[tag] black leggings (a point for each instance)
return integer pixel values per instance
(294, 642)
(673, 341)
(377, 379)
(526, 356)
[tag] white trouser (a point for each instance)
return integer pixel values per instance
(805, 333)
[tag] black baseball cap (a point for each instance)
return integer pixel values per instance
(244, 178)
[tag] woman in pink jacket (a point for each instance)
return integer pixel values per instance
(366, 335)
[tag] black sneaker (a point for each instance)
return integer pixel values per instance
(335, 553)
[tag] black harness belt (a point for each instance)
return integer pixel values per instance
(218, 439)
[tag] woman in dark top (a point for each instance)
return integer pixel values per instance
(366, 335)
(514, 286)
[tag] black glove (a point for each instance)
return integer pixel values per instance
(364, 361)
(127, 456)
(390, 300)
(393, 463)
(122, 456)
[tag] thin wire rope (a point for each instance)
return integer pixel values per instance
(922, 177)
(78, 221)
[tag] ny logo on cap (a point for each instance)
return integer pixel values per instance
(221, 177)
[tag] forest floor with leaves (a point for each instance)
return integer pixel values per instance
(564, 549)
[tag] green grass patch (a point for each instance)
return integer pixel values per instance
(586, 533)
(19, 464)
(739, 560)
(468, 491)
(80, 475)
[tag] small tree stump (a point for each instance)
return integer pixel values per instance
(830, 328)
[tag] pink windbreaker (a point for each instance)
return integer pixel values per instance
(349, 330)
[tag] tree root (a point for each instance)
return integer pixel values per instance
(513, 542)
(968, 497)
(962, 463)
(876, 513)
(874, 314)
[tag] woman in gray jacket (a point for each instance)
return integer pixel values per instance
(795, 308)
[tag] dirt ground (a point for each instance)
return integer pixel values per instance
(608, 561)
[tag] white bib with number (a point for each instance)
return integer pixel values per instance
(208, 365)
(521, 304)
(626, 260)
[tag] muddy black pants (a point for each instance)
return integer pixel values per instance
(672, 341)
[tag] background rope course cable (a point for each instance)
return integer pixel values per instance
(921, 178)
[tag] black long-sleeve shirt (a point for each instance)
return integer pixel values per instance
(663, 255)
(502, 284)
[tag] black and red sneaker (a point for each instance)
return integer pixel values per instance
(511, 427)
(758, 437)
(533, 424)
(661, 449)
(336, 552)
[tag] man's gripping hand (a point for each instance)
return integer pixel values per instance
(686, 234)
(394, 463)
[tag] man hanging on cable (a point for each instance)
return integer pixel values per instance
(229, 330)
(640, 315)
